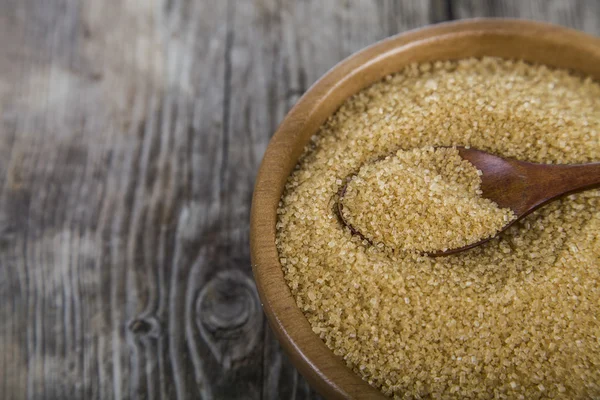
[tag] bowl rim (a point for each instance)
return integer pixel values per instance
(324, 370)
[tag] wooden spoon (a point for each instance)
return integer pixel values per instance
(521, 186)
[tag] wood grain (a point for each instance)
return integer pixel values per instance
(130, 134)
(578, 14)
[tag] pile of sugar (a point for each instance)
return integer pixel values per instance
(514, 318)
(425, 199)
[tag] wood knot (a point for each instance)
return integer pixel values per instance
(229, 316)
(145, 327)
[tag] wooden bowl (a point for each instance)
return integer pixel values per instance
(531, 41)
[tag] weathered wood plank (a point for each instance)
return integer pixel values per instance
(579, 14)
(130, 133)
(106, 165)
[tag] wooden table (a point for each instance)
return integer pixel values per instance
(130, 134)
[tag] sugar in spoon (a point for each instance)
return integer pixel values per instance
(519, 185)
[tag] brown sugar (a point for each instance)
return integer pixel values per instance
(425, 199)
(514, 318)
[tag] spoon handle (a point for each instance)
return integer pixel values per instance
(524, 186)
(547, 182)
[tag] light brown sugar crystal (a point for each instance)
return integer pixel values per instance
(513, 318)
(424, 199)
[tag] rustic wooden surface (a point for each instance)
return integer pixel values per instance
(130, 133)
